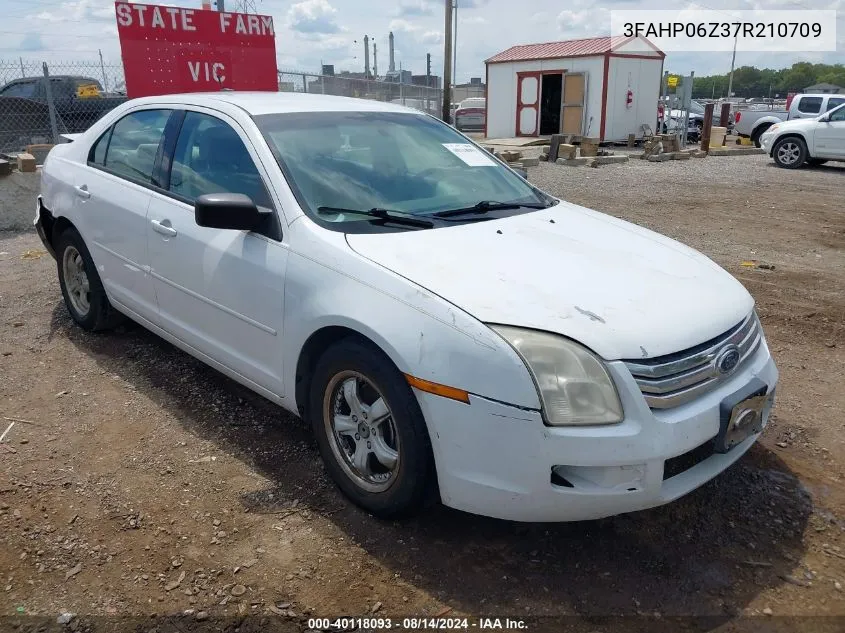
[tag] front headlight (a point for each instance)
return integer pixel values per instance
(574, 385)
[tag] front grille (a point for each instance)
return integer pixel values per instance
(671, 380)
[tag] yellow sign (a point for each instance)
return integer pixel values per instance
(85, 91)
(672, 81)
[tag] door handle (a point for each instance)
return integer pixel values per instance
(164, 228)
(82, 191)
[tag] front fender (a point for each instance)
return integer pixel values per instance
(329, 285)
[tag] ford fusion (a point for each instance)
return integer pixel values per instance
(449, 331)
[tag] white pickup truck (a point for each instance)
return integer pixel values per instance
(752, 123)
(807, 141)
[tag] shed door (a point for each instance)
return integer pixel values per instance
(572, 116)
(527, 103)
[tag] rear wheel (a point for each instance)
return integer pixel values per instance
(370, 430)
(755, 136)
(83, 292)
(790, 152)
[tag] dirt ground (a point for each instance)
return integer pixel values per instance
(138, 481)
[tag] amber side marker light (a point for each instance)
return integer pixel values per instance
(437, 389)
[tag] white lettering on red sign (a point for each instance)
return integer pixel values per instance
(178, 19)
(213, 71)
(252, 25)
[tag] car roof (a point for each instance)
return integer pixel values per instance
(258, 103)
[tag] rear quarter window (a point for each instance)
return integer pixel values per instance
(810, 105)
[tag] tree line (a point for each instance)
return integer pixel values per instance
(750, 81)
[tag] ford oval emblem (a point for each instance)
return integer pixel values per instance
(728, 359)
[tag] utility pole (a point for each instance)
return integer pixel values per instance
(455, 47)
(106, 79)
(731, 77)
(375, 59)
(447, 67)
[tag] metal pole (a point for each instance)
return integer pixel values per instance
(304, 83)
(23, 72)
(687, 105)
(103, 70)
(663, 88)
(731, 77)
(51, 106)
(447, 67)
(455, 47)
(401, 85)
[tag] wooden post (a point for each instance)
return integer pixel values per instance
(724, 117)
(705, 128)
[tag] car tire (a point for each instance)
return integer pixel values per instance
(790, 152)
(755, 136)
(385, 467)
(815, 162)
(82, 289)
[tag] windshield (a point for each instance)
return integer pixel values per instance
(408, 163)
(696, 107)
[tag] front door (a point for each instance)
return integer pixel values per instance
(220, 291)
(830, 136)
(527, 103)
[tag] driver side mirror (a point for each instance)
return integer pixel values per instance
(234, 211)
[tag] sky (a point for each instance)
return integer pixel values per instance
(309, 32)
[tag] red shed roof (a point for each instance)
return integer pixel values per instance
(569, 48)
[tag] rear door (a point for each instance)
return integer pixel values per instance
(112, 194)
(219, 291)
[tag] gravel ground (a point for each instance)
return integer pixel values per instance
(138, 481)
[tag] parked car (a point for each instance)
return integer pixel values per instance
(807, 141)
(753, 123)
(471, 115)
(448, 330)
(79, 102)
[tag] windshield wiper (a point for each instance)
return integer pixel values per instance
(382, 214)
(489, 205)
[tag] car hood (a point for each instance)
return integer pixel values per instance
(621, 290)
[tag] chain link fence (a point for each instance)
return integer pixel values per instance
(39, 102)
(422, 98)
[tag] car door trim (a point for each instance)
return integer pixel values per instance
(219, 306)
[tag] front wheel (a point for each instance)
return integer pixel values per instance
(790, 152)
(370, 431)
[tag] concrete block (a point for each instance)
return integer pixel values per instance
(26, 162)
(567, 151)
(544, 156)
(589, 150)
(510, 156)
(659, 158)
(739, 151)
(5, 167)
(530, 162)
(516, 165)
(699, 154)
(680, 156)
(610, 160)
(573, 162)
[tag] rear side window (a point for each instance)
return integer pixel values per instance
(834, 102)
(810, 105)
(97, 155)
(210, 157)
(134, 145)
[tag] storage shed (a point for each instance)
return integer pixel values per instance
(604, 87)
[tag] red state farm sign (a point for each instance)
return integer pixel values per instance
(171, 49)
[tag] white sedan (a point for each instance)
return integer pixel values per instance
(448, 330)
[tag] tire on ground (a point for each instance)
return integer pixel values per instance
(414, 484)
(790, 152)
(100, 314)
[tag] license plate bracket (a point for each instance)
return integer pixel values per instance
(741, 415)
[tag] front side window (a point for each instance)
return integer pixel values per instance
(838, 115)
(810, 105)
(134, 145)
(24, 89)
(210, 157)
(408, 163)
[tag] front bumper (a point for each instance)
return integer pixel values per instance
(496, 460)
(767, 140)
